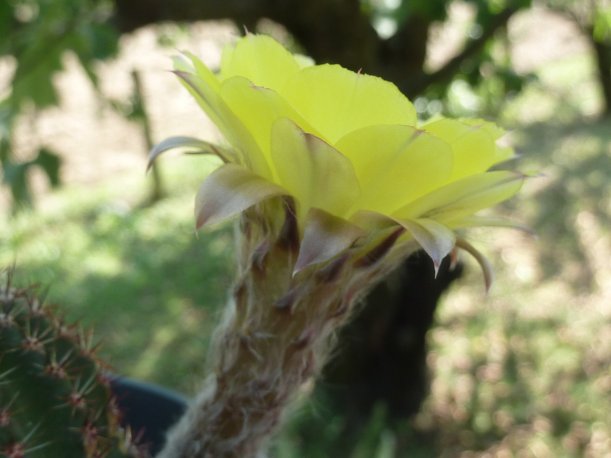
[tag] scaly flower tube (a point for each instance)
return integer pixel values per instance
(336, 182)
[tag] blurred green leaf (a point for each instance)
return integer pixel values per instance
(94, 42)
(6, 18)
(50, 163)
(34, 83)
(602, 25)
(15, 176)
(37, 34)
(434, 10)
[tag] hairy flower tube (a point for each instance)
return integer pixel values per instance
(335, 182)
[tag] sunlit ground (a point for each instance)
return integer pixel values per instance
(521, 372)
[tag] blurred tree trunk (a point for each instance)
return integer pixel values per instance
(382, 354)
(585, 16)
(602, 52)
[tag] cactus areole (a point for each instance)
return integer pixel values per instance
(55, 397)
(335, 181)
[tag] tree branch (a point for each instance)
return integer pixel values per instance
(331, 31)
(132, 14)
(472, 48)
(336, 31)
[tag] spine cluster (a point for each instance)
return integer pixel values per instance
(55, 399)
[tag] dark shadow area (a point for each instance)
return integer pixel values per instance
(148, 410)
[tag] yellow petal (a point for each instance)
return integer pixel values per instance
(261, 59)
(490, 128)
(257, 108)
(503, 153)
(395, 164)
(314, 172)
(463, 197)
(473, 144)
(336, 101)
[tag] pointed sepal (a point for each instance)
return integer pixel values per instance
(464, 197)
(483, 262)
(194, 145)
(325, 236)
(491, 221)
(230, 190)
(434, 238)
(317, 174)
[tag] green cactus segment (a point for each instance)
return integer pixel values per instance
(55, 399)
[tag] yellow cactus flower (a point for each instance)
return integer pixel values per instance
(340, 143)
(336, 182)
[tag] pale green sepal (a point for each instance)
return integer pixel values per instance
(230, 190)
(182, 63)
(464, 197)
(314, 172)
(481, 260)
(434, 238)
(194, 145)
(202, 71)
(489, 221)
(206, 97)
(372, 221)
(325, 236)
(227, 122)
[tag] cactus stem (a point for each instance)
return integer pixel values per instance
(276, 335)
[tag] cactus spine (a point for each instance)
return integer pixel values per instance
(55, 399)
(276, 335)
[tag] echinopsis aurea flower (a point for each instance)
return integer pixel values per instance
(335, 182)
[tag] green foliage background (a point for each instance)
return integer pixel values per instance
(36, 34)
(521, 373)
